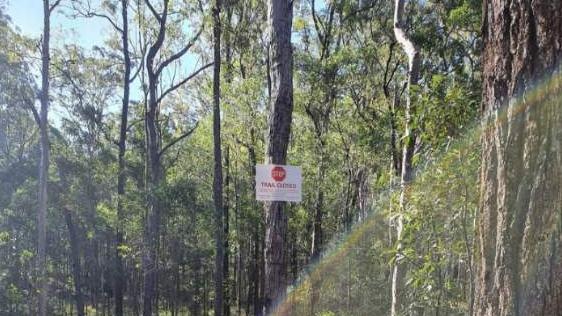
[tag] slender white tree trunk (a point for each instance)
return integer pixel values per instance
(408, 148)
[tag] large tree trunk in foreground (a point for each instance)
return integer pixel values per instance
(519, 255)
(280, 18)
(414, 60)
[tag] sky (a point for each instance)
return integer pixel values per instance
(27, 15)
(27, 18)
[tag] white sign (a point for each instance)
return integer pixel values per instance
(278, 183)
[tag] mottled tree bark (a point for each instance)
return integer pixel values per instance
(280, 19)
(518, 261)
(414, 60)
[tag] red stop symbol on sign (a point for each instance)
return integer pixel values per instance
(278, 174)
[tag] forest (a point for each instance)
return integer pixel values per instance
(428, 133)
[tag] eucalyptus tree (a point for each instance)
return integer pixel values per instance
(414, 61)
(280, 21)
(518, 259)
(217, 176)
(120, 280)
(157, 62)
(42, 118)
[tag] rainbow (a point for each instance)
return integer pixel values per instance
(332, 273)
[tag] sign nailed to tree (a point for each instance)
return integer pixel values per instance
(278, 183)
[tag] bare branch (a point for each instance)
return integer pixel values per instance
(155, 47)
(179, 84)
(88, 12)
(180, 53)
(356, 12)
(151, 8)
(141, 64)
(317, 22)
(387, 80)
(132, 124)
(29, 104)
(109, 19)
(53, 6)
(178, 139)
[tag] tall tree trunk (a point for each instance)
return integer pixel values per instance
(154, 172)
(119, 280)
(256, 277)
(217, 181)
(518, 262)
(241, 250)
(280, 20)
(317, 233)
(414, 60)
(44, 161)
(393, 101)
(152, 230)
(255, 274)
(317, 240)
(394, 146)
(226, 246)
(229, 288)
(155, 65)
(76, 267)
(320, 116)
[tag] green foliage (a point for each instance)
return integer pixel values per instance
(466, 14)
(446, 109)
(438, 234)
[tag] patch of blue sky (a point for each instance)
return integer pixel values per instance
(27, 18)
